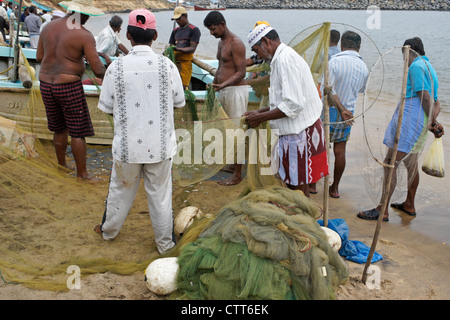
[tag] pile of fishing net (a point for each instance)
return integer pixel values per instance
(265, 245)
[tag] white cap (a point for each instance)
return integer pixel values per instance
(258, 33)
(58, 13)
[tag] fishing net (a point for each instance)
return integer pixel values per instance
(48, 215)
(265, 245)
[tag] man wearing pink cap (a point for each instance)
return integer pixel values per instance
(141, 90)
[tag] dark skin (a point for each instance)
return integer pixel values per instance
(62, 52)
(231, 72)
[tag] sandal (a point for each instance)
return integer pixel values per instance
(401, 207)
(370, 215)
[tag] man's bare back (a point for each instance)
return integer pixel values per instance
(62, 50)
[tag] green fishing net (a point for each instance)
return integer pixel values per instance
(265, 245)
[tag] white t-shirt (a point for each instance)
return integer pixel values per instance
(293, 91)
(140, 90)
(107, 41)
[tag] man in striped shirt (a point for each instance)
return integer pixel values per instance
(347, 77)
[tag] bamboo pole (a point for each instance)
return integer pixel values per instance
(16, 46)
(387, 187)
(326, 116)
(204, 66)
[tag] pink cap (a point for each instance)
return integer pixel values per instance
(150, 20)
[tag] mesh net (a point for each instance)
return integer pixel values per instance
(48, 215)
(265, 245)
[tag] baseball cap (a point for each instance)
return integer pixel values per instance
(178, 12)
(148, 21)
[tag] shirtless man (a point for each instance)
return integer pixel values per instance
(61, 51)
(229, 78)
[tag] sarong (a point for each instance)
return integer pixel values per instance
(234, 100)
(413, 131)
(184, 65)
(339, 132)
(303, 156)
(66, 108)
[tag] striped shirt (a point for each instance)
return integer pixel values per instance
(293, 91)
(347, 76)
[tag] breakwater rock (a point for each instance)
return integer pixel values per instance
(440, 5)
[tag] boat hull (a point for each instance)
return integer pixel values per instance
(14, 105)
(198, 8)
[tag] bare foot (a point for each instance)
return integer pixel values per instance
(98, 229)
(90, 179)
(67, 168)
(230, 181)
(228, 168)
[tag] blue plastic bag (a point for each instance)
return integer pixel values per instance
(352, 250)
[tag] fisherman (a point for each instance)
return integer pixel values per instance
(185, 38)
(348, 76)
(421, 104)
(62, 50)
(57, 14)
(294, 111)
(229, 79)
(144, 130)
(334, 42)
(33, 24)
(108, 40)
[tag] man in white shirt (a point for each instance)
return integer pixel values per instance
(141, 90)
(294, 111)
(108, 40)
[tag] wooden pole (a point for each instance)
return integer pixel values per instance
(16, 46)
(326, 117)
(392, 164)
(204, 66)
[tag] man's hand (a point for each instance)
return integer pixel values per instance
(253, 118)
(437, 129)
(347, 116)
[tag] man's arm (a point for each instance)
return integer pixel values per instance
(92, 56)
(256, 117)
(346, 115)
(123, 48)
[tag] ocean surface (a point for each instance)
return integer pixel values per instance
(381, 32)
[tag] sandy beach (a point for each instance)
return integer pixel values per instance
(414, 264)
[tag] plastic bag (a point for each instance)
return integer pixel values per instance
(433, 164)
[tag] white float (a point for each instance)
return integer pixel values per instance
(185, 218)
(334, 239)
(161, 275)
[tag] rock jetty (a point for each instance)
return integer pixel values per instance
(440, 5)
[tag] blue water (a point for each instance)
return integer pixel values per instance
(394, 28)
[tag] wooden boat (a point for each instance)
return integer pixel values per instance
(198, 8)
(14, 98)
(213, 5)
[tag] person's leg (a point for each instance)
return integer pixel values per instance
(235, 102)
(158, 187)
(387, 194)
(60, 140)
(412, 167)
(79, 153)
(303, 187)
(123, 186)
(339, 167)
